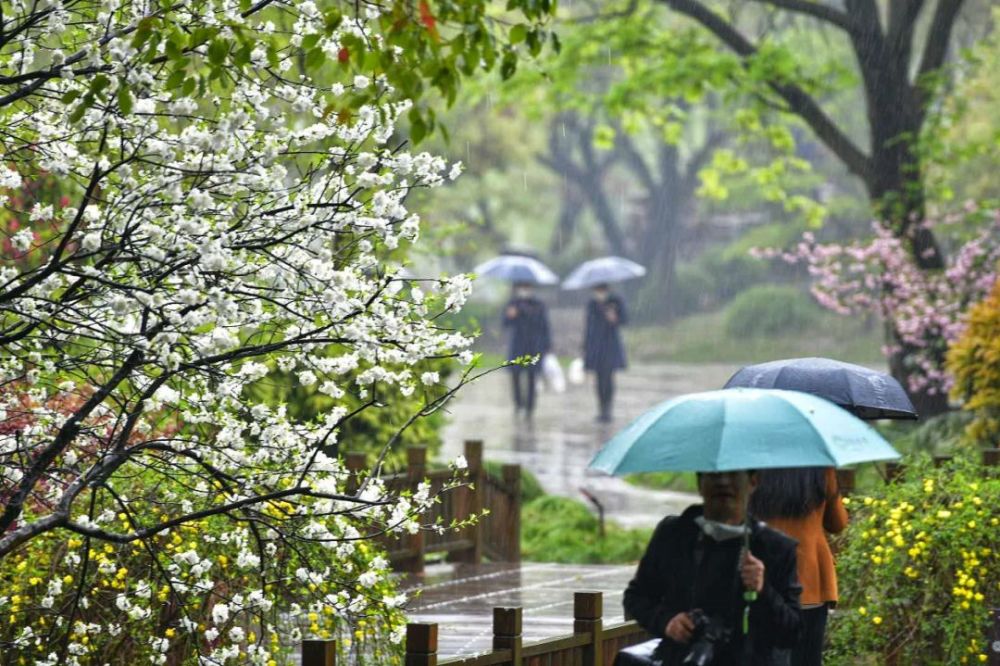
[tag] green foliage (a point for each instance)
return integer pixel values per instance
(918, 568)
(974, 360)
(938, 435)
(531, 489)
(770, 310)
(370, 429)
(421, 46)
(559, 529)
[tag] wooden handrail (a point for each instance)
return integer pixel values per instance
(590, 644)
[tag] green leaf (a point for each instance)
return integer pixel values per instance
(99, 83)
(176, 79)
(310, 41)
(315, 58)
(518, 33)
(189, 86)
(81, 108)
(124, 98)
(217, 51)
(508, 66)
(69, 96)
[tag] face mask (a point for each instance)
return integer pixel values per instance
(523, 292)
(601, 296)
(720, 531)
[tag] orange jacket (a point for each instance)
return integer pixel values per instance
(816, 568)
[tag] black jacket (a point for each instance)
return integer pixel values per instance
(602, 340)
(668, 582)
(529, 330)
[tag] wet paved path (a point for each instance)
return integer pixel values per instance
(461, 600)
(559, 443)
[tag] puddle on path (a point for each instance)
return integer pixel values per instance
(557, 445)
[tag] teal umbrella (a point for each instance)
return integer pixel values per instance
(742, 428)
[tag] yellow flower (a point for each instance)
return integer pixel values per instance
(877, 620)
(944, 513)
(170, 633)
(862, 611)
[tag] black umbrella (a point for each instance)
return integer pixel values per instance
(866, 393)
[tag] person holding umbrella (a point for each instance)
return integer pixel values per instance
(603, 352)
(722, 435)
(528, 322)
(804, 502)
(525, 317)
(691, 585)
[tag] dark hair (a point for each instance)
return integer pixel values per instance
(788, 493)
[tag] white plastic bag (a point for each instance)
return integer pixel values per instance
(576, 374)
(552, 373)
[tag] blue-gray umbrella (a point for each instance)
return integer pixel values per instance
(517, 268)
(603, 271)
(864, 392)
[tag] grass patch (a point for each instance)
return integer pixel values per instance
(702, 339)
(559, 529)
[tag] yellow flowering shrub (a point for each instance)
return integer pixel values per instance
(174, 597)
(919, 567)
(974, 361)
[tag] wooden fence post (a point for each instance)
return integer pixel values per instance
(893, 471)
(512, 479)
(507, 633)
(355, 463)
(469, 502)
(846, 481)
(588, 609)
(991, 458)
(993, 639)
(421, 645)
(940, 461)
(319, 653)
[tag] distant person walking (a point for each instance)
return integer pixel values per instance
(805, 504)
(528, 322)
(603, 352)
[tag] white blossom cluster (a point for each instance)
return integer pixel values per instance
(213, 237)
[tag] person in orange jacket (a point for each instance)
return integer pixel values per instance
(805, 504)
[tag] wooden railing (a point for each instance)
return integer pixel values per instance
(590, 644)
(496, 536)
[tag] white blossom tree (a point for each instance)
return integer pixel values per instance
(224, 212)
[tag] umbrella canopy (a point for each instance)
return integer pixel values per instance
(736, 429)
(603, 271)
(866, 393)
(517, 268)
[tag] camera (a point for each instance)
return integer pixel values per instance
(709, 634)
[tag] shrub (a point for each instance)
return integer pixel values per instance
(974, 360)
(559, 529)
(770, 310)
(531, 489)
(918, 567)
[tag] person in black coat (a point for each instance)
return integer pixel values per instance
(528, 322)
(697, 561)
(603, 352)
